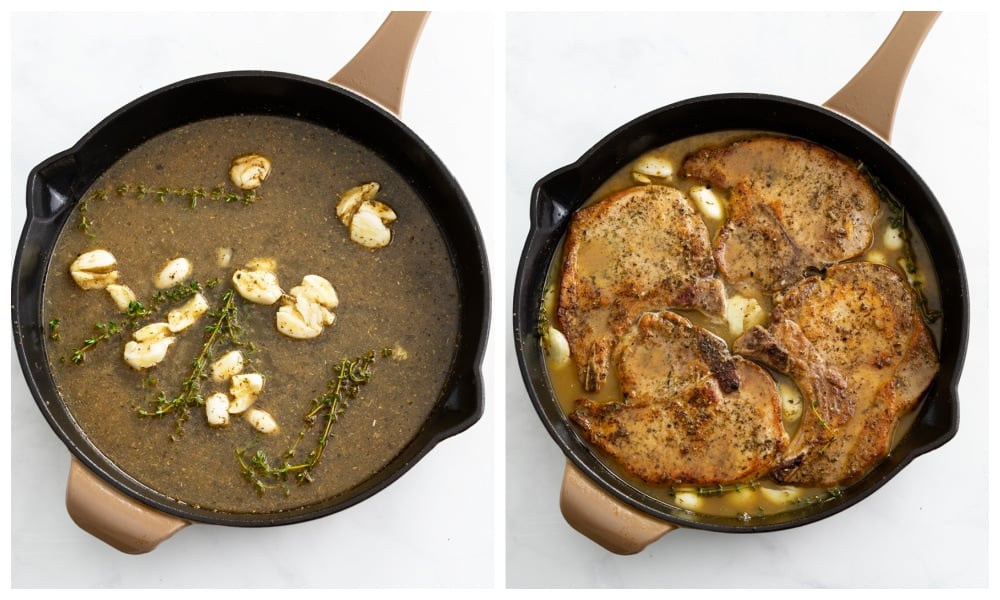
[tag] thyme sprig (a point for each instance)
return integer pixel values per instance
(224, 325)
(105, 331)
(897, 220)
(349, 376)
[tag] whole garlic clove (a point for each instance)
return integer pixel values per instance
(352, 199)
(143, 355)
(217, 410)
(94, 270)
(261, 420)
(380, 209)
(654, 166)
(248, 171)
(152, 332)
(368, 230)
(122, 295)
(228, 365)
(259, 287)
(556, 346)
(184, 316)
(244, 389)
(317, 289)
(174, 272)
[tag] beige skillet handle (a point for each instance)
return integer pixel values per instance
(378, 71)
(113, 517)
(612, 524)
(870, 98)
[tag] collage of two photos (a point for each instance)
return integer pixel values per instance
(499, 300)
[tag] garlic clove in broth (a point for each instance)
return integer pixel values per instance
(143, 355)
(707, 202)
(228, 365)
(380, 209)
(217, 410)
(556, 346)
(294, 324)
(368, 230)
(151, 332)
(261, 420)
(654, 166)
(184, 316)
(172, 273)
(352, 199)
(223, 256)
(248, 171)
(121, 295)
(259, 287)
(244, 389)
(742, 313)
(94, 270)
(317, 289)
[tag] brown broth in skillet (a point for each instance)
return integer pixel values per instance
(753, 500)
(403, 296)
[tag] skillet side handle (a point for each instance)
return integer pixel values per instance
(113, 517)
(870, 98)
(378, 71)
(617, 527)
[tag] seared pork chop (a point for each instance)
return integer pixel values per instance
(644, 248)
(857, 346)
(793, 205)
(692, 413)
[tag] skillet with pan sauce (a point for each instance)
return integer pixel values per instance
(595, 499)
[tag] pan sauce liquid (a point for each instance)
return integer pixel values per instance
(758, 499)
(404, 295)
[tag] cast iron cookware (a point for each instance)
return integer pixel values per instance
(594, 499)
(141, 517)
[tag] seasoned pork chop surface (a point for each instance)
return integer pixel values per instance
(644, 248)
(692, 413)
(856, 345)
(794, 205)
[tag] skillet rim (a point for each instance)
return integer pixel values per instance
(462, 399)
(550, 210)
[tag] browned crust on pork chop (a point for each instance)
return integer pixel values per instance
(692, 413)
(794, 205)
(644, 248)
(858, 348)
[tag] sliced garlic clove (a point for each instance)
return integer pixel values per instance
(217, 410)
(292, 323)
(143, 355)
(244, 389)
(261, 420)
(184, 316)
(259, 287)
(152, 332)
(248, 171)
(352, 199)
(369, 230)
(228, 365)
(654, 166)
(174, 272)
(122, 295)
(707, 202)
(94, 270)
(318, 290)
(380, 209)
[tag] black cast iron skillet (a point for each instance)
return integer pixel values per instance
(139, 517)
(595, 500)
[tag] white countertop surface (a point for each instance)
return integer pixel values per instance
(481, 510)
(572, 79)
(432, 528)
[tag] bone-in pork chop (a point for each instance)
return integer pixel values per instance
(644, 248)
(794, 205)
(856, 345)
(692, 413)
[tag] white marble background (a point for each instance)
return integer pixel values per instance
(432, 528)
(572, 79)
